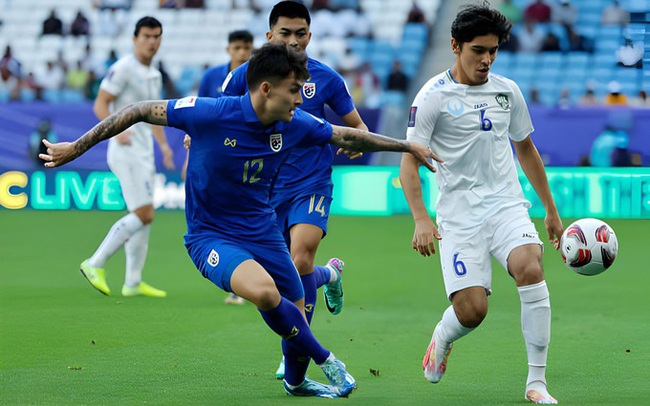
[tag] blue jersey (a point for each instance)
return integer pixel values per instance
(234, 162)
(212, 80)
(309, 168)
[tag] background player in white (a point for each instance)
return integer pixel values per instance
(130, 156)
(468, 117)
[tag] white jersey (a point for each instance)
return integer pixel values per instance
(470, 127)
(130, 81)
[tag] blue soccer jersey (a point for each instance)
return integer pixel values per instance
(307, 169)
(234, 162)
(212, 80)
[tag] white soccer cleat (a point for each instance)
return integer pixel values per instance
(536, 392)
(435, 359)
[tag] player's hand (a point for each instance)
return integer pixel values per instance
(123, 138)
(349, 154)
(168, 157)
(422, 154)
(425, 233)
(58, 154)
(187, 140)
(554, 227)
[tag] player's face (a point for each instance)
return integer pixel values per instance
(147, 43)
(290, 31)
(474, 59)
(283, 97)
(239, 51)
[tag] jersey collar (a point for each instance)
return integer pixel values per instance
(247, 109)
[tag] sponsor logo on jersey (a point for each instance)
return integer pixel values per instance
(276, 142)
(455, 107)
(185, 102)
(529, 235)
(213, 258)
(480, 105)
(503, 101)
(309, 89)
(412, 114)
(230, 143)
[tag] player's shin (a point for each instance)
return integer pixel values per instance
(536, 328)
(309, 285)
(296, 362)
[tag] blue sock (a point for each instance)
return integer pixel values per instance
(322, 275)
(287, 321)
(309, 285)
(296, 363)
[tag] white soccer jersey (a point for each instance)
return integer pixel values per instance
(130, 81)
(470, 127)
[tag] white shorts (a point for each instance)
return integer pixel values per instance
(136, 176)
(465, 254)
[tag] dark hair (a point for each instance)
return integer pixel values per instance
(275, 62)
(148, 22)
(240, 35)
(475, 20)
(288, 9)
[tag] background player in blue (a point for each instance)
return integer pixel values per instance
(238, 145)
(240, 46)
(303, 191)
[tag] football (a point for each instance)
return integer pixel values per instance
(589, 246)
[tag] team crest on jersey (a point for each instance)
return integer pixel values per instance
(213, 258)
(503, 101)
(309, 89)
(276, 142)
(455, 107)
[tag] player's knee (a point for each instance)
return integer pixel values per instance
(304, 262)
(145, 214)
(529, 273)
(472, 316)
(266, 298)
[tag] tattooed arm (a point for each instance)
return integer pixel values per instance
(353, 139)
(152, 112)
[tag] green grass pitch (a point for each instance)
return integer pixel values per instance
(61, 342)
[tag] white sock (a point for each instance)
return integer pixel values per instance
(121, 231)
(536, 326)
(136, 253)
(449, 329)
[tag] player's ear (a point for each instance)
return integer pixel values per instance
(265, 88)
(455, 46)
(269, 35)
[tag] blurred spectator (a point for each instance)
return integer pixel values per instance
(92, 86)
(80, 25)
(113, 4)
(349, 63)
(615, 97)
(29, 84)
(641, 101)
(52, 78)
(111, 22)
(9, 85)
(319, 5)
(112, 58)
(363, 28)
(52, 25)
(42, 132)
(589, 98)
(630, 54)
(169, 90)
(531, 37)
(366, 89)
(538, 11)
(10, 62)
(181, 3)
(550, 43)
(91, 62)
(77, 78)
(615, 15)
(511, 11)
(610, 149)
(511, 45)
(534, 98)
(577, 42)
(60, 61)
(565, 13)
(564, 102)
(397, 79)
(415, 15)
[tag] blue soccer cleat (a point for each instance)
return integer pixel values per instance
(342, 382)
(311, 388)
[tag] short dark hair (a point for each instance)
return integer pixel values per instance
(475, 20)
(288, 9)
(275, 62)
(148, 22)
(240, 35)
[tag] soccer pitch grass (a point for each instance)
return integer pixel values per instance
(61, 342)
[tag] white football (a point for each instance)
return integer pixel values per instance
(589, 246)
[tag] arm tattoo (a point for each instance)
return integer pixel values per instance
(153, 112)
(354, 139)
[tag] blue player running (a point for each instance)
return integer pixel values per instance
(303, 191)
(238, 145)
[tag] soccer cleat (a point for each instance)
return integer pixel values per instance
(434, 370)
(143, 289)
(342, 382)
(279, 374)
(539, 398)
(333, 291)
(234, 300)
(311, 388)
(96, 277)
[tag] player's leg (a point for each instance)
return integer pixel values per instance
(467, 275)
(305, 239)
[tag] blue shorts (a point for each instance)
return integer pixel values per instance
(305, 209)
(218, 257)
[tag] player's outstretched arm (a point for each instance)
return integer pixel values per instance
(152, 112)
(353, 139)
